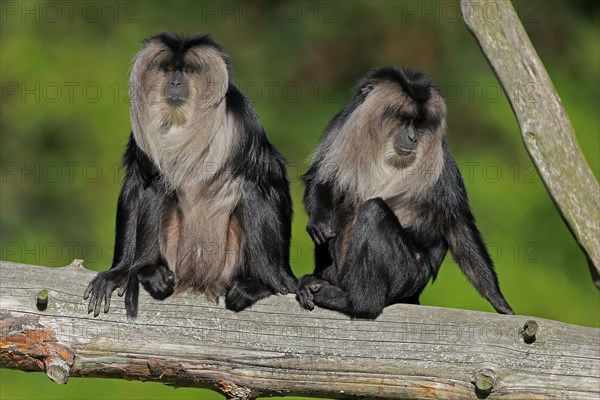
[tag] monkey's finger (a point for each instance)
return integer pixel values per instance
(318, 238)
(98, 297)
(87, 292)
(324, 234)
(97, 307)
(309, 305)
(107, 296)
(304, 302)
(122, 290)
(90, 305)
(290, 289)
(309, 295)
(92, 302)
(314, 234)
(306, 293)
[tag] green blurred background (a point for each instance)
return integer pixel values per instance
(64, 122)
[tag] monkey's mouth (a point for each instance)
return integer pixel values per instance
(175, 101)
(404, 151)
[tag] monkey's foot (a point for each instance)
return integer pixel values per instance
(245, 292)
(158, 280)
(287, 285)
(307, 287)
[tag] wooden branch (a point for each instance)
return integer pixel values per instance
(546, 129)
(275, 348)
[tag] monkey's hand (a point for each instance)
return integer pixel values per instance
(101, 287)
(307, 287)
(320, 231)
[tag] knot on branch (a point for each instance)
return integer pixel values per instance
(484, 382)
(529, 331)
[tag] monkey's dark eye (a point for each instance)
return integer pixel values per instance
(188, 69)
(169, 67)
(405, 117)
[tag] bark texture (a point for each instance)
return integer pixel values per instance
(276, 348)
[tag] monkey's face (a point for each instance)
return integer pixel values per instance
(416, 130)
(174, 79)
(406, 139)
(396, 122)
(410, 120)
(403, 142)
(177, 85)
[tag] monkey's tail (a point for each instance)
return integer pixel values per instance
(131, 296)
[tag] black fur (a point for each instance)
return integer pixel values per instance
(264, 210)
(384, 263)
(179, 45)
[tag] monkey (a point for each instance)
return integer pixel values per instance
(386, 200)
(205, 202)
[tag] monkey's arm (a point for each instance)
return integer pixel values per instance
(464, 239)
(139, 171)
(470, 253)
(318, 202)
(136, 179)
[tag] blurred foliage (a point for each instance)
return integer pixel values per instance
(64, 122)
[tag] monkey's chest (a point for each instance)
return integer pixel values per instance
(208, 243)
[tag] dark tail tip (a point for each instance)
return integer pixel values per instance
(502, 306)
(132, 295)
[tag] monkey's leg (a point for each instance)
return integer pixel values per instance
(158, 278)
(379, 267)
(243, 291)
(266, 220)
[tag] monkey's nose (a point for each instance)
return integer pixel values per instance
(175, 83)
(411, 135)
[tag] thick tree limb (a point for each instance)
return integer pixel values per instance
(545, 126)
(277, 348)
